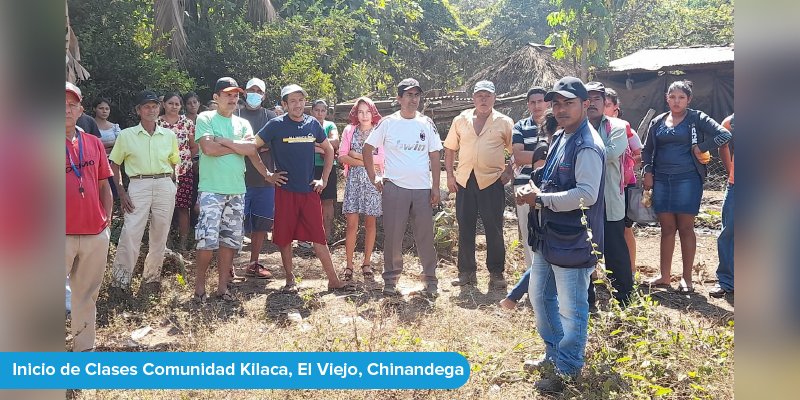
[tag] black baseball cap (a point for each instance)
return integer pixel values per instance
(227, 84)
(406, 84)
(535, 90)
(595, 86)
(146, 96)
(569, 87)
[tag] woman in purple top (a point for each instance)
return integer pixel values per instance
(675, 157)
(360, 195)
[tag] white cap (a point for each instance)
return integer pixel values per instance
(291, 89)
(74, 90)
(256, 82)
(484, 85)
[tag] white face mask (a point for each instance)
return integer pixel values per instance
(254, 100)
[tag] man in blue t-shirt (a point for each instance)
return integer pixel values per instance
(298, 208)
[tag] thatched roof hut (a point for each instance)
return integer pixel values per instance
(529, 66)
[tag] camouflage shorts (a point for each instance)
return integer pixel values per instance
(220, 221)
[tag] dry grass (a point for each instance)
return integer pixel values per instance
(681, 342)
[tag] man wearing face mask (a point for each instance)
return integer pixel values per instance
(259, 200)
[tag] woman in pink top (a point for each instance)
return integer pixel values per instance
(360, 196)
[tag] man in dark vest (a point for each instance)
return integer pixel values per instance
(568, 188)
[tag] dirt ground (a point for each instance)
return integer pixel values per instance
(495, 341)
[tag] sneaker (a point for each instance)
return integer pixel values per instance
(497, 282)
(553, 384)
(718, 292)
(464, 280)
(258, 271)
(540, 365)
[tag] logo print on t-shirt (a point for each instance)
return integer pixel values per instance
(421, 135)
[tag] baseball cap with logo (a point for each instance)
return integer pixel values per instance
(483, 85)
(71, 88)
(146, 96)
(406, 84)
(595, 86)
(257, 83)
(227, 84)
(569, 87)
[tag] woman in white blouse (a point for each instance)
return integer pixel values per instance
(108, 130)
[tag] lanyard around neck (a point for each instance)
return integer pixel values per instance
(76, 168)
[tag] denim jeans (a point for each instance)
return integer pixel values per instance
(521, 288)
(561, 308)
(725, 243)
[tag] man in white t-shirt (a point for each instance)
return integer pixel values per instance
(410, 185)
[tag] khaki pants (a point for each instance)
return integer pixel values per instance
(86, 261)
(522, 224)
(153, 200)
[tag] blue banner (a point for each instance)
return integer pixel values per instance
(287, 370)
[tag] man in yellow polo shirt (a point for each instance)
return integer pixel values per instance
(150, 154)
(479, 136)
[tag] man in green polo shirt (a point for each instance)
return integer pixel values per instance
(225, 140)
(150, 154)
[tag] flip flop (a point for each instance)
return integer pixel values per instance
(347, 288)
(288, 289)
(685, 290)
(199, 298)
(658, 285)
(369, 273)
(226, 297)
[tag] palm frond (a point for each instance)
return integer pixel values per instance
(74, 70)
(169, 35)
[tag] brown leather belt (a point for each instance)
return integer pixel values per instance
(156, 176)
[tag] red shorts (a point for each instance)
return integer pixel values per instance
(298, 216)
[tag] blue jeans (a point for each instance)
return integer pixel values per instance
(560, 305)
(725, 243)
(522, 286)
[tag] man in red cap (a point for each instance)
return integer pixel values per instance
(89, 203)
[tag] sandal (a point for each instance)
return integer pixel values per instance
(369, 273)
(347, 274)
(199, 298)
(257, 270)
(347, 287)
(685, 290)
(226, 297)
(652, 283)
(288, 289)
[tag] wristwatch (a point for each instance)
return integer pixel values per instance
(539, 202)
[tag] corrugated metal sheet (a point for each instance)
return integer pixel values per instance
(657, 59)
